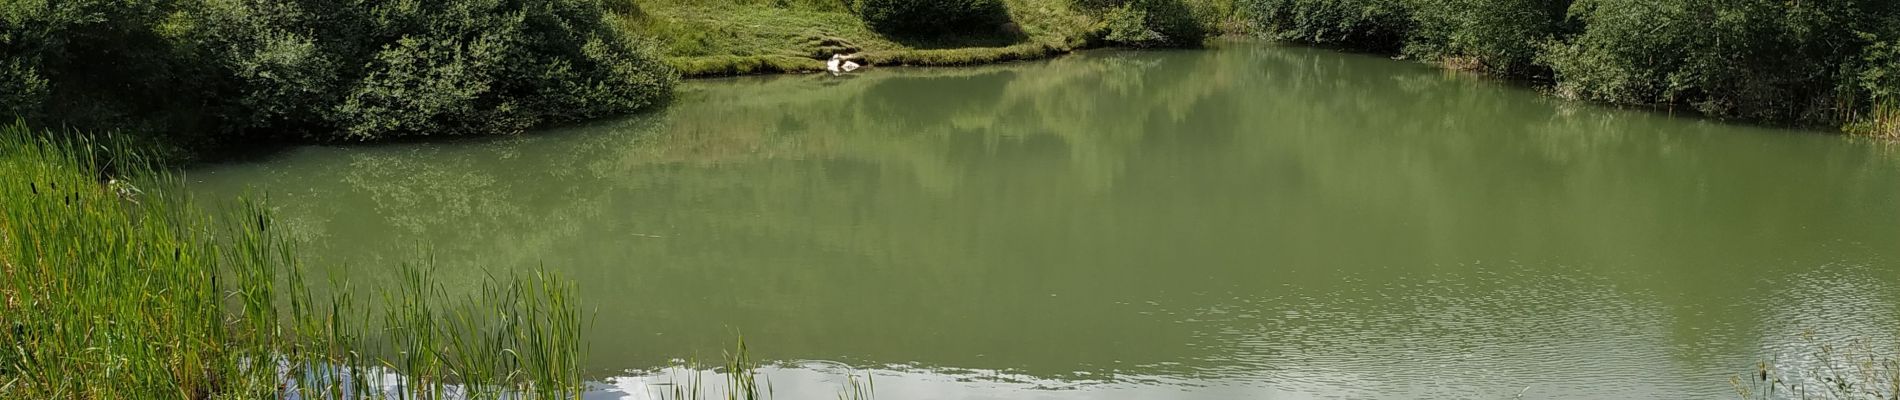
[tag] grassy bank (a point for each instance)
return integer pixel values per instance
(1786, 63)
(113, 287)
(735, 37)
(205, 76)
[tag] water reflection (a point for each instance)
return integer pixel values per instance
(1250, 221)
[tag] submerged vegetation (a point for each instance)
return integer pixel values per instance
(1822, 63)
(116, 292)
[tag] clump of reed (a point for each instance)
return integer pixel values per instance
(110, 291)
(1885, 119)
(1855, 370)
(741, 379)
(858, 389)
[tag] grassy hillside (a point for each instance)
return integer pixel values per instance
(732, 37)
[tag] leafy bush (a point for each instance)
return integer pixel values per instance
(1378, 25)
(1150, 23)
(1763, 60)
(934, 17)
(415, 68)
(1755, 59)
(1874, 84)
(322, 69)
(1501, 36)
(90, 62)
(21, 88)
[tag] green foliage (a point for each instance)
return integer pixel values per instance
(1877, 72)
(88, 62)
(1756, 59)
(1379, 25)
(1150, 23)
(21, 88)
(1501, 36)
(1764, 60)
(1875, 81)
(420, 68)
(934, 17)
(1127, 24)
(239, 70)
(1178, 24)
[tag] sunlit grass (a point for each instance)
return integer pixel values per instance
(114, 287)
(732, 37)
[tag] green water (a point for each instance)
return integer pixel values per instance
(1243, 222)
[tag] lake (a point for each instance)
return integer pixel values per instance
(1247, 221)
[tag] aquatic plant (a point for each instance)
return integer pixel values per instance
(113, 286)
(858, 389)
(740, 372)
(1853, 370)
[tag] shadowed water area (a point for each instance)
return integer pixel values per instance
(1248, 221)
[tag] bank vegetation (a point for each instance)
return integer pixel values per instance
(1813, 63)
(734, 37)
(114, 286)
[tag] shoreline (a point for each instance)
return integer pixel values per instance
(707, 67)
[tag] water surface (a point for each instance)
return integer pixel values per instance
(1248, 221)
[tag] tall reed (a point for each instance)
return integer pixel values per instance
(1885, 120)
(113, 285)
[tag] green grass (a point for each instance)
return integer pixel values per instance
(733, 37)
(114, 287)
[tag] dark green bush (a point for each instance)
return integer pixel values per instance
(1377, 25)
(1873, 86)
(934, 17)
(1150, 23)
(1501, 36)
(91, 63)
(391, 69)
(21, 88)
(1765, 60)
(1754, 59)
(321, 69)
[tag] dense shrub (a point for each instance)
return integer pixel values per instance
(322, 69)
(1756, 59)
(1873, 85)
(1766, 60)
(934, 17)
(1500, 36)
(1149, 23)
(21, 87)
(91, 62)
(1378, 25)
